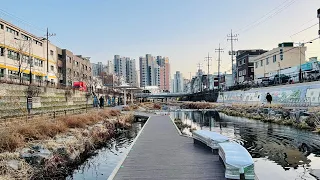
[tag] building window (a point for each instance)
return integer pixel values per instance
(274, 58)
(51, 52)
(256, 63)
(261, 63)
(25, 37)
(37, 42)
(13, 55)
(52, 68)
(1, 51)
(240, 62)
(16, 33)
(252, 70)
(69, 59)
(1, 26)
(244, 72)
(267, 61)
(240, 73)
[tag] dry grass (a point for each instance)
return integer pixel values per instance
(9, 141)
(126, 108)
(156, 106)
(198, 105)
(15, 136)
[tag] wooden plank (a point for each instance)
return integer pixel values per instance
(161, 153)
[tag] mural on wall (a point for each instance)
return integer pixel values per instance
(280, 94)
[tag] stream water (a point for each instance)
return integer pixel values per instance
(279, 152)
(106, 159)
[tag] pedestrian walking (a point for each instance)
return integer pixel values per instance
(269, 98)
(101, 102)
(95, 101)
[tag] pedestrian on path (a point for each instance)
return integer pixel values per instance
(269, 98)
(101, 102)
(95, 101)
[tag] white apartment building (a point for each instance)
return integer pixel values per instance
(178, 82)
(131, 75)
(286, 55)
(120, 65)
(21, 51)
(143, 64)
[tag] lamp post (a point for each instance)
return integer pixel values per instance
(29, 59)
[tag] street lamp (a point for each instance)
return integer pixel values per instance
(29, 59)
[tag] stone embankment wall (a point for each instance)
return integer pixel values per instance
(304, 94)
(13, 100)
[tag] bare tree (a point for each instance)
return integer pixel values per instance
(21, 57)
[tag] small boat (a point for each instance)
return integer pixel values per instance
(209, 138)
(237, 160)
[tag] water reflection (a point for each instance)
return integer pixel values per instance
(288, 147)
(102, 164)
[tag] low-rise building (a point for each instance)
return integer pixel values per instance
(75, 68)
(284, 56)
(245, 65)
(24, 55)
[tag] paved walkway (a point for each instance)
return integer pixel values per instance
(161, 153)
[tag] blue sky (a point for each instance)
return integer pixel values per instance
(183, 30)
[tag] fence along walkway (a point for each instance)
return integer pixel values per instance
(161, 153)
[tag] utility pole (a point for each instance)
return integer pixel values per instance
(190, 75)
(233, 37)
(219, 50)
(47, 38)
(319, 20)
(208, 58)
(199, 68)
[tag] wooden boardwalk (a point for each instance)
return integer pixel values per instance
(161, 153)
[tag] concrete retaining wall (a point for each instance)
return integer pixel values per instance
(306, 93)
(13, 100)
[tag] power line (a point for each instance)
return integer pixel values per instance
(257, 20)
(304, 29)
(277, 10)
(21, 20)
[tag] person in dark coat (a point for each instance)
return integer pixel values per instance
(269, 98)
(101, 102)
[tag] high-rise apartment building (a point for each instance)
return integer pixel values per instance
(109, 68)
(143, 64)
(120, 65)
(125, 68)
(178, 82)
(131, 73)
(97, 69)
(155, 71)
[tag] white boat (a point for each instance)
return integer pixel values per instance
(209, 138)
(237, 160)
